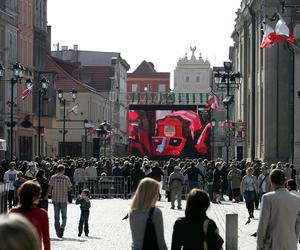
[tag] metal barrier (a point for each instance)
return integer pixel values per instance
(102, 187)
(4, 187)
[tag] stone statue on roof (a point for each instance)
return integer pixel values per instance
(193, 49)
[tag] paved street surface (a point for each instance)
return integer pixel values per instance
(108, 231)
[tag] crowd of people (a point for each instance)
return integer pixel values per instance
(199, 181)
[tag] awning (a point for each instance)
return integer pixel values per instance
(2, 145)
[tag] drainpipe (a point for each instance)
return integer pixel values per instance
(253, 64)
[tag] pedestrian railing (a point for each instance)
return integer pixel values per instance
(4, 187)
(102, 187)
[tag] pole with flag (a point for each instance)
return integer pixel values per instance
(74, 109)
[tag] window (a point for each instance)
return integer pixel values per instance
(161, 88)
(135, 87)
(147, 88)
(187, 79)
(169, 130)
(198, 79)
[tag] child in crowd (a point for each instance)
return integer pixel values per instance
(85, 205)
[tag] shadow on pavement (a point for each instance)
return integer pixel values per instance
(93, 238)
(68, 239)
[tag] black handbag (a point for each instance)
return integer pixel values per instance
(150, 239)
(217, 241)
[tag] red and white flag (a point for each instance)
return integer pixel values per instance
(74, 110)
(91, 128)
(26, 92)
(282, 33)
(214, 101)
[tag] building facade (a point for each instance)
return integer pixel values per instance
(90, 103)
(107, 73)
(192, 75)
(267, 100)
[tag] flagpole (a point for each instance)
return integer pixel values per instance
(64, 129)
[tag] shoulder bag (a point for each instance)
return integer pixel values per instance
(217, 239)
(150, 239)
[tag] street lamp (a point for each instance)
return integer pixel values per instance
(213, 124)
(18, 72)
(43, 87)
(60, 94)
(227, 80)
(103, 130)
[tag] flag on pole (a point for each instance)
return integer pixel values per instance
(26, 92)
(91, 128)
(74, 110)
(282, 33)
(214, 101)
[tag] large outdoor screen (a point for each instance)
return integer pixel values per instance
(161, 133)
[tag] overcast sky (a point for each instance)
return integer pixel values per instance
(160, 31)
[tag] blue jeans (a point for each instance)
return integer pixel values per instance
(60, 207)
(193, 184)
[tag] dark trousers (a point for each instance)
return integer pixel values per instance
(44, 204)
(84, 222)
(11, 199)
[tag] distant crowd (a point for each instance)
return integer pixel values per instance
(32, 183)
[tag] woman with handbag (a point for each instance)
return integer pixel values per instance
(145, 219)
(196, 230)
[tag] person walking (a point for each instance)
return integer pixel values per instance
(144, 205)
(59, 186)
(234, 179)
(264, 184)
(29, 194)
(279, 222)
(9, 177)
(192, 173)
(85, 205)
(40, 177)
(249, 190)
(176, 181)
(195, 229)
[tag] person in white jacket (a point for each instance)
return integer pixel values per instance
(91, 177)
(79, 178)
(279, 222)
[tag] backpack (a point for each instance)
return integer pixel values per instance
(150, 239)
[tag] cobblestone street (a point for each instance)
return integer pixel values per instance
(108, 231)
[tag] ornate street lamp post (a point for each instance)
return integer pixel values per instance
(43, 87)
(227, 80)
(62, 100)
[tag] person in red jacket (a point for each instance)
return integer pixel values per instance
(29, 196)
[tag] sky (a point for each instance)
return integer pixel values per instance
(160, 31)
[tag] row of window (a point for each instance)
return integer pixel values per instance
(135, 87)
(187, 79)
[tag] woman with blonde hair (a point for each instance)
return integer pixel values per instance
(143, 207)
(16, 233)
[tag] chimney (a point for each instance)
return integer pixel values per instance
(63, 48)
(75, 47)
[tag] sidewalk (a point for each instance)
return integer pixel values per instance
(109, 232)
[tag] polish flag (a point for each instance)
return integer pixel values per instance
(281, 33)
(74, 110)
(26, 92)
(214, 101)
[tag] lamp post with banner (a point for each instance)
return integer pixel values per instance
(227, 80)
